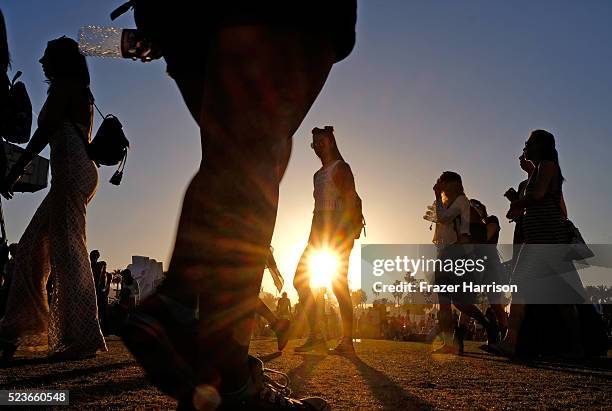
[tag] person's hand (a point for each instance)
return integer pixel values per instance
(511, 194)
(6, 187)
(437, 188)
(514, 212)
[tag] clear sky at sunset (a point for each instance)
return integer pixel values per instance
(430, 86)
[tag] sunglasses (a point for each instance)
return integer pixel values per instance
(316, 144)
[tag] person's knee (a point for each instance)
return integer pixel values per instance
(301, 284)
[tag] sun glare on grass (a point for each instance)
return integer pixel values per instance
(323, 266)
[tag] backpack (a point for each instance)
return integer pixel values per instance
(109, 146)
(16, 119)
(478, 227)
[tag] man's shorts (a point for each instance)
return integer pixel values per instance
(183, 29)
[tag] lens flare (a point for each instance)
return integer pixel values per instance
(323, 266)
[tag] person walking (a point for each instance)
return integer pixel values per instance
(55, 240)
(248, 73)
(336, 222)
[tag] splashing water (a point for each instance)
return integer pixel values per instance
(99, 41)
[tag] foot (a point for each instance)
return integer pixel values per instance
(269, 394)
(344, 347)
(493, 333)
(458, 339)
(281, 329)
(70, 356)
(501, 349)
(160, 334)
(312, 343)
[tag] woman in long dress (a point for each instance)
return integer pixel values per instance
(547, 282)
(55, 240)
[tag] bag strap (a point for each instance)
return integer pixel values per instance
(92, 100)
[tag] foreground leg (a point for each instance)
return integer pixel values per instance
(343, 295)
(259, 85)
(301, 282)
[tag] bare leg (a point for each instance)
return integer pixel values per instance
(258, 86)
(472, 311)
(301, 282)
(500, 315)
(343, 295)
(517, 315)
(445, 319)
(263, 311)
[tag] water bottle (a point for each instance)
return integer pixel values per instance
(98, 41)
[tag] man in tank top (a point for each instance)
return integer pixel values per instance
(336, 223)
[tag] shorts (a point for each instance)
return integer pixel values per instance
(183, 29)
(330, 230)
(454, 253)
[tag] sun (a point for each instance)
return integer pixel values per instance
(323, 266)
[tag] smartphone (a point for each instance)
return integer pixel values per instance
(511, 194)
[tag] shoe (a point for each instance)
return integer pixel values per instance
(70, 356)
(493, 333)
(344, 347)
(160, 334)
(281, 329)
(458, 338)
(271, 395)
(312, 343)
(501, 349)
(8, 351)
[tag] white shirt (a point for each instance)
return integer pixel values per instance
(446, 224)
(327, 196)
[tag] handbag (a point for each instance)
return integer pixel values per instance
(578, 249)
(109, 146)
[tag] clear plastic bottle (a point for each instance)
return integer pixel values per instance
(112, 42)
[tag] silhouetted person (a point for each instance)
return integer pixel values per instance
(128, 296)
(56, 234)
(6, 278)
(249, 73)
(283, 306)
(102, 279)
(5, 64)
(452, 219)
(493, 272)
(543, 223)
(336, 222)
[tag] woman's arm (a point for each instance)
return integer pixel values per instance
(492, 229)
(52, 116)
(446, 215)
(547, 170)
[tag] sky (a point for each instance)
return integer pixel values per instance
(430, 86)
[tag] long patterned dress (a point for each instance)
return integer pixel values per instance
(55, 243)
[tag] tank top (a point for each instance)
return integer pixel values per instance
(327, 196)
(544, 222)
